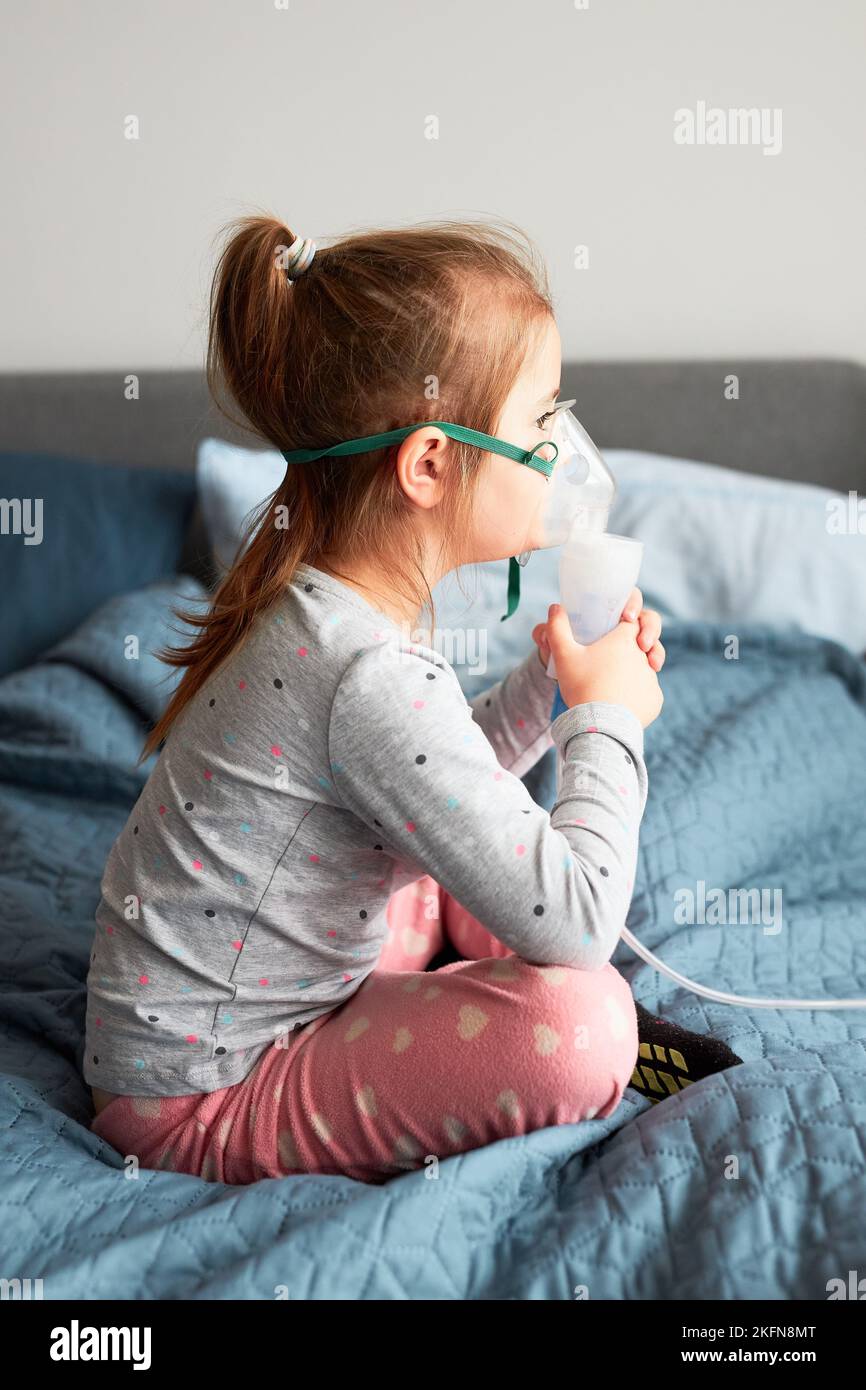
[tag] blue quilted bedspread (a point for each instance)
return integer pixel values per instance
(750, 1184)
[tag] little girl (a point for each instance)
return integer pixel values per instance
(327, 810)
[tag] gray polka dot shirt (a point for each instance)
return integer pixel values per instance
(326, 764)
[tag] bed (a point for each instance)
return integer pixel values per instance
(749, 1184)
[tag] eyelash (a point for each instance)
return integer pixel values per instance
(548, 415)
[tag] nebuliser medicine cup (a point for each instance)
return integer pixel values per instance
(597, 572)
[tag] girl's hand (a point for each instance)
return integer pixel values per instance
(649, 625)
(648, 632)
(613, 670)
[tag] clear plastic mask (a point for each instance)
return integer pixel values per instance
(579, 494)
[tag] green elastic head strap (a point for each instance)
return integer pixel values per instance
(369, 442)
(488, 442)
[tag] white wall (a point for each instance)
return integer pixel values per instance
(558, 118)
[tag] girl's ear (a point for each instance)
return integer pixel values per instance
(420, 465)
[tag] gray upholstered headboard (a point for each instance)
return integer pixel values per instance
(800, 419)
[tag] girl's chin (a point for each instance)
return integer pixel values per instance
(523, 549)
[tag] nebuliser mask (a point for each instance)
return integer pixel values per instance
(581, 487)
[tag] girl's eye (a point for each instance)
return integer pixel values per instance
(542, 419)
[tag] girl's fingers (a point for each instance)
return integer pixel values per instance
(633, 605)
(539, 637)
(656, 656)
(560, 637)
(650, 629)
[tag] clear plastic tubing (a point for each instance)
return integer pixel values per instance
(745, 1000)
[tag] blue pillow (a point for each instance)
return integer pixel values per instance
(733, 547)
(231, 482)
(101, 530)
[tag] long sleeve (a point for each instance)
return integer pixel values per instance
(409, 760)
(515, 715)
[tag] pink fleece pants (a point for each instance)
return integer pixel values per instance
(415, 1067)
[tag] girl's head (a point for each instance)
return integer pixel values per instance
(385, 329)
(447, 321)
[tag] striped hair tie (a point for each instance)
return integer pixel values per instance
(299, 257)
